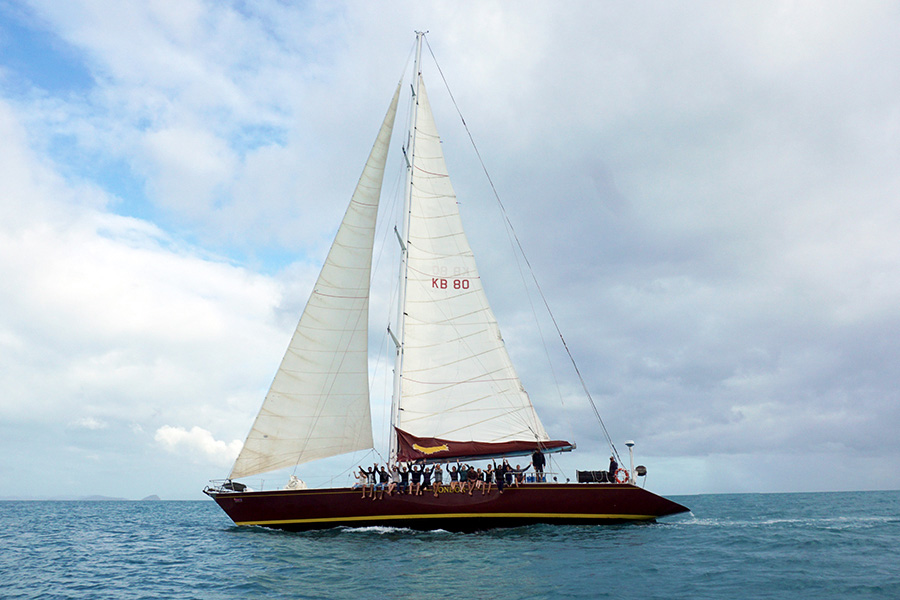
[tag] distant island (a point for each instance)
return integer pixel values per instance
(93, 498)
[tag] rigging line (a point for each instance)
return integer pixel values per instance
(351, 468)
(388, 346)
(558, 468)
(385, 222)
(522, 250)
(386, 209)
(529, 294)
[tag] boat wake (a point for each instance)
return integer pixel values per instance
(382, 530)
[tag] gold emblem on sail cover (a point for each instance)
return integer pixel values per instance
(431, 449)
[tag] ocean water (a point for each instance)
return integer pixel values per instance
(792, 546)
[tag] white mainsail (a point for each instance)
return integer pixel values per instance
(318, 404)
(457, 381)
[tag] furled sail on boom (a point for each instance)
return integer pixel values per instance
(318, 404)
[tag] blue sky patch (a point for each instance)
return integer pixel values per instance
(34, 57)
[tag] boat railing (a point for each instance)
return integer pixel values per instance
(225, 486)
(620, 476)
(228, 486)
(546, 477)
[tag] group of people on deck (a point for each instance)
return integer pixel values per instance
(420, 478)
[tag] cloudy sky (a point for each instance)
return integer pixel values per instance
(708, 194)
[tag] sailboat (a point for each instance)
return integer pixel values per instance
(456, 394)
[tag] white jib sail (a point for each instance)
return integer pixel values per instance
(457, 381)
(318, 404)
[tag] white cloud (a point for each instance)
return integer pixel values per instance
(108, 308)
(111, 314)
(190, 167)
(197, 441)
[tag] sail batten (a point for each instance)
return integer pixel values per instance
(318, 404)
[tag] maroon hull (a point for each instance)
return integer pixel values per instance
(298, 510)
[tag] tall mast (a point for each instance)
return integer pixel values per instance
(398, 336)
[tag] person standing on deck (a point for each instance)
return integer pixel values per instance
(454, 478)
(361, 481)
(438, 478)
(404, 480)
(613, 467)
(500, 475)
(426, 478)
(395, 479)
(508, 470)
(383, 481)
(519, 473)
(471, 478)
(370, 481)
(538, 460)
(416, 476)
